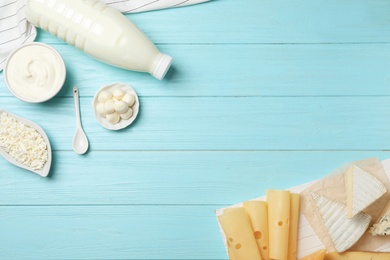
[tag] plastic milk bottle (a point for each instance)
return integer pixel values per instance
(101, 31)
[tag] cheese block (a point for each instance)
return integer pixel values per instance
(317, 255)
(294, 221)
(354, 255)
(239, 234)
(363, 189)
(278, 223)
(258, 214)
(344, 232)
(382, 228)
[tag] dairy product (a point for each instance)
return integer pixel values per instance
(113, 118)
(101, 110)
(382, 228)
(239, 234)
(104, 96)
(118, 94)
(100, 31)
(35, 72)
(317, 255)
(363, 189)
(279, 202)
(109, 106)
(22, 142)
(129, 103)
(258, 214)
(127, 115)
(115, 104)
(129, 99)
(344, 232)
(121, 107)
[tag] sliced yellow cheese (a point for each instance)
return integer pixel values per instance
(363, 189)
(294, 221)
(317, 255)
(278, 223)
(258, 214)
(357, 256)
(239, 234)
(231, 253)
(344, 232)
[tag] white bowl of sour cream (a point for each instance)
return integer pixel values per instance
(34, 72)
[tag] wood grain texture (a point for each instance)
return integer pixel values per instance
(109, 232)
(182, 178)
(243, 70)
(262, 94)
(241, 123)
(265, 21)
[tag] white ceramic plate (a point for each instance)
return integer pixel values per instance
(122, 123)
(46, 168)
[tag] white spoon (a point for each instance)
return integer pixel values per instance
(80, 140)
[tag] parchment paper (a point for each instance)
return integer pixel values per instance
(333, 187)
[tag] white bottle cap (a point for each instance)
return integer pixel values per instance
(162, 67)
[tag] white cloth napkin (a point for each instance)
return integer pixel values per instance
(133, 6)
(15, 30)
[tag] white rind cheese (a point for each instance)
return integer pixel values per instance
(344, 232)
(363, 189)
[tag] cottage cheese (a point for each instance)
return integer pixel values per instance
(22, 142)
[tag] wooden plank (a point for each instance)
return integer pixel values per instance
(231, 21)
(243, 70)
(110, 232)
(168, 178)
(242, 123)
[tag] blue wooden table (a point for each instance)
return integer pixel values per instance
(262, 94)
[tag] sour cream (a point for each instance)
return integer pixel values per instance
(34, 72)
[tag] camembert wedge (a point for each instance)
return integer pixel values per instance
(363, 189)
(344, 232)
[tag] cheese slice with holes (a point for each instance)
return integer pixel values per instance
(258, 214)
(363, 189)
(344, 232)
(278, 223)
(239, 234)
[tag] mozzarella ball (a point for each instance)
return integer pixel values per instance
(113, 118)
(118, 94)
(129, 99)
(127, 115)
(104, 96)
(101, 110)
(121, 107)
(109, 106)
